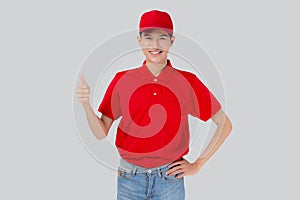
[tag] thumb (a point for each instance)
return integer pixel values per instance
(82, 79)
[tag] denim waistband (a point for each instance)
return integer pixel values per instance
(131, 168)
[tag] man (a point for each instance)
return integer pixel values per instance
(154, 101)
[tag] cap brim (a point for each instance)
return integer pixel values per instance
(169, 31)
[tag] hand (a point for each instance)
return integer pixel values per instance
(184, 167)
(83, 91)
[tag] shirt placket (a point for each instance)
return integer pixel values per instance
(155, 93)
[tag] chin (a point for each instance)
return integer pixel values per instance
(156, 60)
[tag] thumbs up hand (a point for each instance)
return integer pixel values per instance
(83, 91)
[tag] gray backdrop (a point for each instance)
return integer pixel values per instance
(254, 44)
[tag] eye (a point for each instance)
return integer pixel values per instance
(148, 38)
(163, 38)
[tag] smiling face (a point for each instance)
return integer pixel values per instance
(155, 44)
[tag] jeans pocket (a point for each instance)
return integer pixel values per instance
(169, 179)
(124, 173)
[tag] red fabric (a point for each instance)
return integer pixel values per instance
(156, 19)
(154, 126)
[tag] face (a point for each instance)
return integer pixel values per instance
(155, 44)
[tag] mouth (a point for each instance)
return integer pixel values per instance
(155, 53)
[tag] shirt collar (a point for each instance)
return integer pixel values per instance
(164, 75)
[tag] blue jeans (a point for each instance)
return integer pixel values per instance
(138, 183)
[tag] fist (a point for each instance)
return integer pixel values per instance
(83, 91)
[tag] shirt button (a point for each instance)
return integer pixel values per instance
(155, 79)
(154, 93)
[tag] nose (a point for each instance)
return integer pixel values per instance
(155, 44)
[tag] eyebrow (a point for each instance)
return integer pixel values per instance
(162, 35)
(146, 34)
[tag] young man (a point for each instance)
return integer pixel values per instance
(154, 101)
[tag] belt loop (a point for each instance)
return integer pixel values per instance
(134, 170)
(159, 172)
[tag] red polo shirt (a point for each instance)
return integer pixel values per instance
(154, 128)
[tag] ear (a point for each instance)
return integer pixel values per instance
(139, 39)
(172, 40)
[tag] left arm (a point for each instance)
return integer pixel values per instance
(224, 128)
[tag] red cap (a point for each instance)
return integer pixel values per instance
(156, 19)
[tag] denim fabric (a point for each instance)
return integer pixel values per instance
(138, 183)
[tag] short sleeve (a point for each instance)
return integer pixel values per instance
(110, 105)
(204, 104)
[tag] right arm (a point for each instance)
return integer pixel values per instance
(99, 126)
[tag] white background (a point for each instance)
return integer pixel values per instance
(255, 45)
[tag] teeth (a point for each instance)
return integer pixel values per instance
(155, 52)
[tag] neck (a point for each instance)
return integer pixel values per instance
(156, 68)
